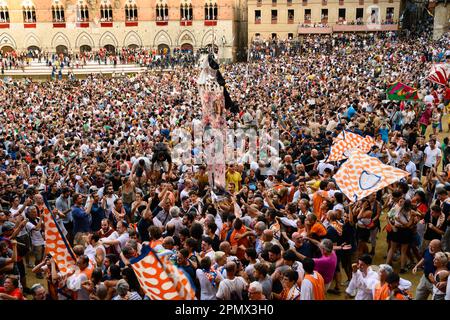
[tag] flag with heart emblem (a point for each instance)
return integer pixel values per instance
(361, 175)
(439, 73)
(57, 245)
(159, 278)
(346, 142)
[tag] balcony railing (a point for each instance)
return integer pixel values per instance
(162, 23)
(131, 23)
(210, 23)
(185, 23)
(59, 24)
(83, 24)
(4, 25)
(106, 24)
(274, 20)
(29, 25)
(290, 20)
(258, 21)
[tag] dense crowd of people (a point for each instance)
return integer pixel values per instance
(96, 153)
(152, 59)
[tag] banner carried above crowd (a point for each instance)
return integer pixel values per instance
(159, 278)
(361, 175)
(400, 91)
(439, 73)
(57, 245)
(347, 141)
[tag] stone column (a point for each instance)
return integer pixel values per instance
(441, 16)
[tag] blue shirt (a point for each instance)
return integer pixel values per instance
(81, 220)
(384, 134)
(351, 112)
(428, 265)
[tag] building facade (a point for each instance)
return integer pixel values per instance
(78, 25)
(282, 19)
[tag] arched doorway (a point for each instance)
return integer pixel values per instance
(34, 49)
(62, 49)
(110, 48)
(6, 49)
(209, 48)
(85, 48)
(163, 49)
(133, 46)
(187, 47)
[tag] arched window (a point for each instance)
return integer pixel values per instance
(131, 11)
(211, 11)
(162, 12)
(4, 13)
(29, 12)
(82, 12)
(106, 12)
(58, 12)
(186, 12)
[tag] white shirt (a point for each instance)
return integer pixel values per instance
(123, 238)
(226, 286)
(431, 156)
(323, 165)
(35, 235)
(411, 168)
(207, 291)
(363, 285)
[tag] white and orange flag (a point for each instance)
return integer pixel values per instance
(57, 245)
(361, 175)
(346, 142)
(159, 278)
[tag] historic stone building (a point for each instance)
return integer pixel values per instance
(288, 18)
(74, 25)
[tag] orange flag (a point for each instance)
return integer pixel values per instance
(57, 245)
(346, 142)
(159, 278)
(361, 175)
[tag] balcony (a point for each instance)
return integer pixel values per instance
(324, 2)
(106, 24)
(258, 21)
(29, 25)
(304, 3)
(59, 24)
(315, 30)
(274, 20)
(186, 23)
(131, 23)
(4, 25)
(82, 24)
(307, 21)
(324, 20)
(290, 20)
(162, 23)
(289, 3)
(210, 23)
(259, 3)
(365, 27)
